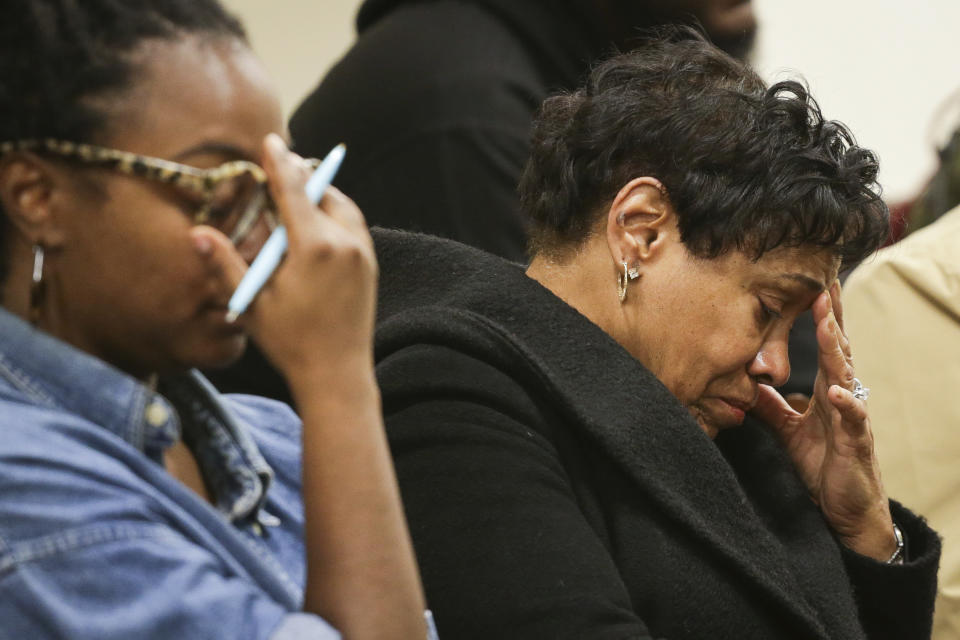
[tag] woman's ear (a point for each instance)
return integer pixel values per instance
(26, 195)
(637, 221)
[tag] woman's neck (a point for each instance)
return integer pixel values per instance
(583, 278)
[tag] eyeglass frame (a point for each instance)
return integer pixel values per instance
(201, 181)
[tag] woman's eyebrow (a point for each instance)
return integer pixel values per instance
(215, 148)
(814, 285)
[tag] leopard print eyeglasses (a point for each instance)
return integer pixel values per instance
(233, 196)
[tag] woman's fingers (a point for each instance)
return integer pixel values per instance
(772, 409)
(287, 182)
(799, 402)
(341, 208)
(852, 410)
(835, 362)
(837, 305)
(835, 302)
(289, 174)
(220, 254)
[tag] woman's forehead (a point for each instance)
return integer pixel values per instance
(197, 90)
(804, 267)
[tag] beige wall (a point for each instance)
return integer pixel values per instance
(881, 66)
(297, 39)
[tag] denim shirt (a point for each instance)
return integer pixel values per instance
(97, 540)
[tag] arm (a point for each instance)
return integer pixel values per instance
(361, 570)
(504, 548)
(315, 322)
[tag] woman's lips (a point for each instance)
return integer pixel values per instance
(737, 409)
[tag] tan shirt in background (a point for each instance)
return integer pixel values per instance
(902, 314)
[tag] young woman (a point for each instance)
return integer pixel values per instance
(141, 160)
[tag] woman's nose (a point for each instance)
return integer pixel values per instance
(771, 365)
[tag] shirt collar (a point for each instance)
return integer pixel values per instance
(54, 374)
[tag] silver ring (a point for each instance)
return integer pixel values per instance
(860, 392)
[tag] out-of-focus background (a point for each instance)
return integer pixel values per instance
(884, 67)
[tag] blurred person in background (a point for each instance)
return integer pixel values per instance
(903, 319)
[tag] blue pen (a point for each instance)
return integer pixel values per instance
(273, 249)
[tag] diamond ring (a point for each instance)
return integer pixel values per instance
(859, 391)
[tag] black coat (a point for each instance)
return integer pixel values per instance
(555, 489)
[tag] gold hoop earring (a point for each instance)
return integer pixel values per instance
(36, 285)
(623, 279)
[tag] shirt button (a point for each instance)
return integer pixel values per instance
(157, 414)
(257, 529)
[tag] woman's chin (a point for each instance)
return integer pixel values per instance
(216, 353)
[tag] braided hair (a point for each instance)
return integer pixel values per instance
(56, 55)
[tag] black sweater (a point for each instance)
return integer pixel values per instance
(555, 489)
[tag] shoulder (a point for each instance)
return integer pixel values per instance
(432, 46)
(453, 317)
(445, 373)
(927, 254)
(46, 437)
(430, 284)
(67, 483)
(424, 69)
(909, 284)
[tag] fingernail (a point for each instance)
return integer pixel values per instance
(202, 244)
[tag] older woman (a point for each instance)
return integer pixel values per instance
(135, 501)
(594, 448)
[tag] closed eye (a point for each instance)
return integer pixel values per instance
(766, 313)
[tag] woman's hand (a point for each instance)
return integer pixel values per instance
(831, 443)
(317, 311)
(314, 320)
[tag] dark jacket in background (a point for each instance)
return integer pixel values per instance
(435, 101)
(554, 487)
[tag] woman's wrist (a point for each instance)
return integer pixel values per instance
(878, 540)
(349, 381)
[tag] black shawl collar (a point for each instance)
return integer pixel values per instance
(440, 292)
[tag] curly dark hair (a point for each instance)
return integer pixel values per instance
(745, 166)
(56, 55)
